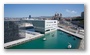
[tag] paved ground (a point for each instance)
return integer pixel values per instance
(81, 44)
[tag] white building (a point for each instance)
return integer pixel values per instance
(44, 26)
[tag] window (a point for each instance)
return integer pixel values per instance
(54, 21)
(52, 29)
(48, 30)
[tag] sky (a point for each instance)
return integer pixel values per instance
(36, 10)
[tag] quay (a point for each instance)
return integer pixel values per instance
(75, 34)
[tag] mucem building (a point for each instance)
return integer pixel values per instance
(12, 30)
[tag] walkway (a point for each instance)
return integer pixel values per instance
(76, 34)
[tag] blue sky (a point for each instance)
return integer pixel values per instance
(36, 10)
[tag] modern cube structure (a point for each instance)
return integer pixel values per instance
(44, 26)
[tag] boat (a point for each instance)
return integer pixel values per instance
(74, 38)
(44, 38)
(69, 46)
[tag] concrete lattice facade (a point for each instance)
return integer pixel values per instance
(11, 31)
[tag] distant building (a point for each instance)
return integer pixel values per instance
(82, 15)
(60, 15)
(57, 16)
(29, 16)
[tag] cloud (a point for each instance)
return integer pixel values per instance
(71, 11)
